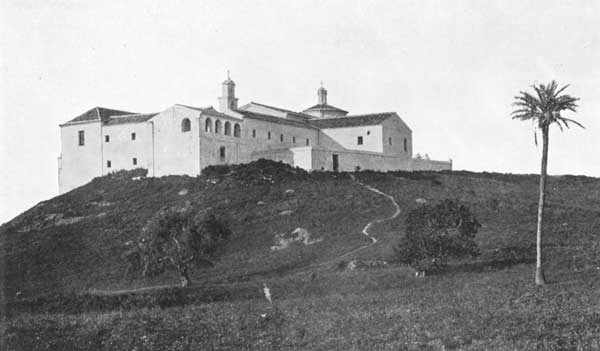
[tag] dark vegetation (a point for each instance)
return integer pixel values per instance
(436, 233)
(67, 283)
(177, 237)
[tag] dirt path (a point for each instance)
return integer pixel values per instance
(366, 229)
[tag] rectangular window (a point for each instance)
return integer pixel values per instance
(222, 152)
(269, 135)
(254, 133)
(405, 145)
(307, 142)
(135, 161)
(81, 138)
(108, 164)
(390, 140)
(360, 140)
(294, 140)
(281, 138)
(107, 138)
(132, 136)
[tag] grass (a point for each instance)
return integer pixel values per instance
(66, 271)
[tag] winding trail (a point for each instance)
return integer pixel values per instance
(366, 229)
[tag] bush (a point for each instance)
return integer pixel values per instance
(175, 238)
(435, 233)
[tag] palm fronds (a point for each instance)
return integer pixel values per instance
(545, 106)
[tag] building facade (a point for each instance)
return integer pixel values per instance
(184, 139)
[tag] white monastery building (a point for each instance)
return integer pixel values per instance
(184, 140)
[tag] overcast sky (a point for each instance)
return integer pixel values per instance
(449, 68)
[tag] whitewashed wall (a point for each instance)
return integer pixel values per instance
(174, 151)
(79, 164)
(121, 149)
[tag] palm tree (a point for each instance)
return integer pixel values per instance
(544, 109)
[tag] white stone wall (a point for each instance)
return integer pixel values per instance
(429, 165)
(163, 148)
(397, 130)
(174, 151)
(262, 142)
(121, 149)
(79, 164)
(347, 138)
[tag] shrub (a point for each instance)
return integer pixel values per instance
(176, 237)
(435, 233)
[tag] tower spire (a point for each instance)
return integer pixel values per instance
(322, 94)
(228, 101)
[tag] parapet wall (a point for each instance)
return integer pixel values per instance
(419, 164)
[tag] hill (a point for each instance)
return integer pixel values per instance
(75, 244)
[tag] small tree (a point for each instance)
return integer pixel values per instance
(435, 233)
(176, 238)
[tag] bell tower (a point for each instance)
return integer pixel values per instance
(228, 101)
(322, 94)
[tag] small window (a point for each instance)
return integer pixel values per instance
(208, 125)
(294, 140)
(368, 133)
(218, 127)
(108, 164)
(237, 131)
(254, 133)
(390, 140)
(134, 161)
(81, 135)
(132, 136)
(281, 138)
(307, 142)
(360, 140)
(222, 152)
(186, 125)
(405, 145)
(227, 128)
(269, 135)
(107, 138)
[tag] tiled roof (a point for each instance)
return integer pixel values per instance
(201, 109)
(300, 114)
(272, 119)
(207, 110)
(324, 107)
(352, 121)
(135, 118)
(98, 113)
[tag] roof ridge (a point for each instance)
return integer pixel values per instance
(279, 109)
(194, 107)
(370, 114)
(134, 114)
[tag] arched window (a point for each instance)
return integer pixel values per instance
(227, 128)
(186, 125)
(218, 127)
(208, 125)
(237, 131)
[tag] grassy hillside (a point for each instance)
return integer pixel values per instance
(66, 254)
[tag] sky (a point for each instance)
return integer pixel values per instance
(450, 69)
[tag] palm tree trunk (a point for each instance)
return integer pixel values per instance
(540, 279)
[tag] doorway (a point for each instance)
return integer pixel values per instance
(336, 163)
